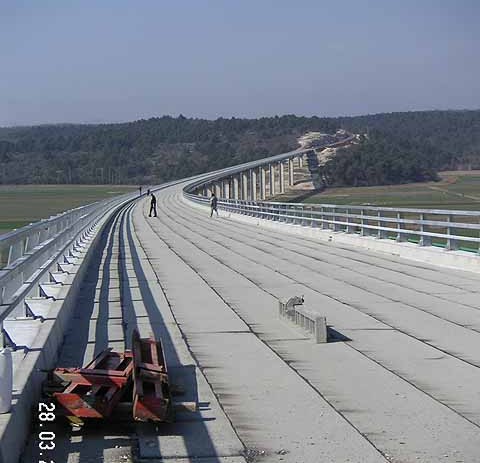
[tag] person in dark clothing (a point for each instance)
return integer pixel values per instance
(213, 204)
(153, 206)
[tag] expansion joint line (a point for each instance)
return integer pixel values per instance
(353, 306)
(315, 290)
(214, 290)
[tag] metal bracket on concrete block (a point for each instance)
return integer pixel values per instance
(311, 322)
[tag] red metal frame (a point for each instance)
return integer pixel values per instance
(95, 390)
(152, 399)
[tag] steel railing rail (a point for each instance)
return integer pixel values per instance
(427, 227)
(443, 227)
(229, 171)
(30, 251)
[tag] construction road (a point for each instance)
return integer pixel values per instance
(399, 381)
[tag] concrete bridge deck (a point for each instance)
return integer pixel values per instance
(401, 382)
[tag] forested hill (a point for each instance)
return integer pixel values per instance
(399, 147)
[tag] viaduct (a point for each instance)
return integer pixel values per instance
(397, 291)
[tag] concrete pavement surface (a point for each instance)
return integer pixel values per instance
(399, 382)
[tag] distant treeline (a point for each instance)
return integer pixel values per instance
(397, 148)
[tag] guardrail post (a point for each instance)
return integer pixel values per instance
(363, 231)
(336, 226)
(400, 236)
(452, 244)
(424, 240)
(313, 223)
(294, 212)
(278, 212)
(380, 233)
(324, 224)
(303, 221)
(349, 228)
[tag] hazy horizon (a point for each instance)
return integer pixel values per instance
(226, 117)
(119, 61)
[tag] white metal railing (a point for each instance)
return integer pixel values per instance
(221, 174)
(27, 253)
(451, 229)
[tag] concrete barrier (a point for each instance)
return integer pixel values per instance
(314, 324)
(6, 380)
(41, 354)
(458, 260)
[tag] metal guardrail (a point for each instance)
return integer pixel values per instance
(229, 171)
(27, 253)
(452, 229)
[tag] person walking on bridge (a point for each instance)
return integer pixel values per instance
(153, 206)
(213, 204)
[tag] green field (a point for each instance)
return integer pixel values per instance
(23, 204)
(456, 190)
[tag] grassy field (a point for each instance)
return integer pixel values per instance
(456, 190)
(23, 204)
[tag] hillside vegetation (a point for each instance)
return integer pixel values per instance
(397, 148)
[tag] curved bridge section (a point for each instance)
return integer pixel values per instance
(396, 381)
(377, 391)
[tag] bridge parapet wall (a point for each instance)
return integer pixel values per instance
(41, 271)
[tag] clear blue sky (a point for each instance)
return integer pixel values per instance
(114, 60)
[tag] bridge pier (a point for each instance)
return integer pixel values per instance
(290, 172)
(253, 184)
(282, 176)
(226, 188)
(235, 187)
(263, 192)
(271, 168)
(244, 187)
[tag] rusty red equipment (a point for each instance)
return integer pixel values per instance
(94, 390)
(152, 400)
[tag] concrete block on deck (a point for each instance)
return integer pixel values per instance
(321, 334)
